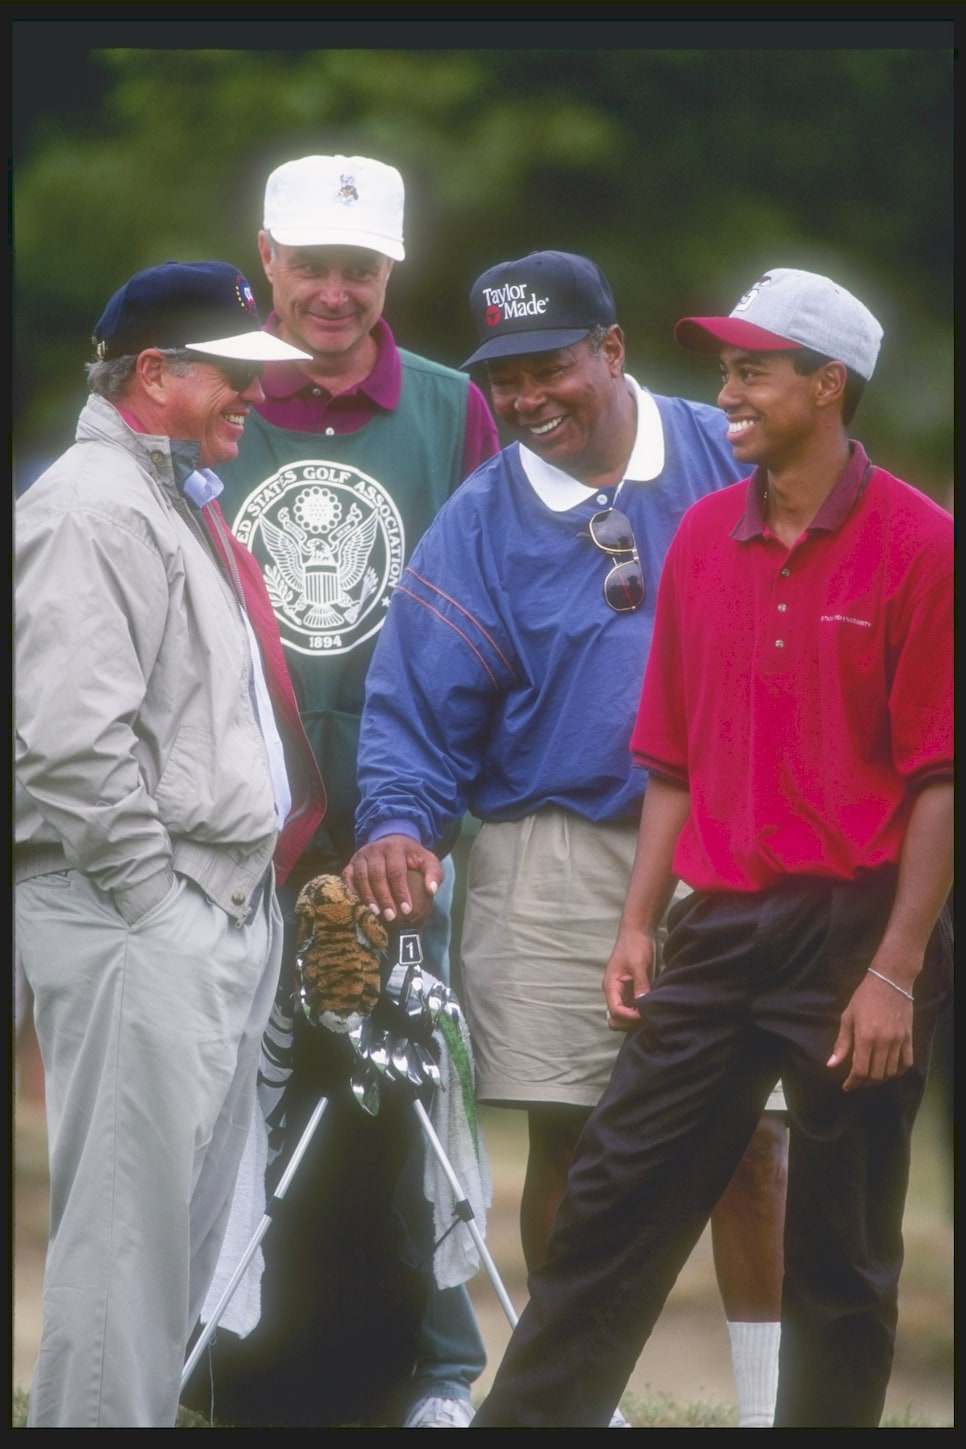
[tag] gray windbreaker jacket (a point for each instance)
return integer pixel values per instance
(138, 748)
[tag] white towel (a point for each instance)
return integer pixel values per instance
(453, 1116)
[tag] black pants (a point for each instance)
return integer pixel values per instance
(753, 989)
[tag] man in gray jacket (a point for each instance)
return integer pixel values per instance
(150, 791)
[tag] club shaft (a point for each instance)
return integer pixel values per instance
(471, 1225)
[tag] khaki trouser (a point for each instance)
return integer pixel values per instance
(150, 1038)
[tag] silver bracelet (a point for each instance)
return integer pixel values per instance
(901, 990)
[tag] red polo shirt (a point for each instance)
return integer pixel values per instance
(293, 401)
(802, 694)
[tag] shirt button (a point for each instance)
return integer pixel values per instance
(330, 432)
(779, 643)
(601, 497)
(238, 898)
(782, 608)
(316, 392)
(785, 573)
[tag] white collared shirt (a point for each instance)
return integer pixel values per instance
(560, 490)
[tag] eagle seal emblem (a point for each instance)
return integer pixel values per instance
(330, 542)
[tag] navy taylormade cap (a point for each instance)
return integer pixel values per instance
(541, 302)
(203, 306)
(788, 308)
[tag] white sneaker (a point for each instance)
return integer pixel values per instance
(618, 1421)
(439, 1413)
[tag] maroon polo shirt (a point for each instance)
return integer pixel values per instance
(294, 402)
(802, 694)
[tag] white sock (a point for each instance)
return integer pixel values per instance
(754, 1357)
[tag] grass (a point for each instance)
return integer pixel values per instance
(186, 1418)
(653, 1411)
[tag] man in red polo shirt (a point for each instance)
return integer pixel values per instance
(796, 723)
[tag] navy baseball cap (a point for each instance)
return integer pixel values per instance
(202, 306)
(541, 302)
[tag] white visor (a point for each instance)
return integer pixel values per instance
(251, 347)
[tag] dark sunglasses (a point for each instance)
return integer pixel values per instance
(624, 585)
(238, 375)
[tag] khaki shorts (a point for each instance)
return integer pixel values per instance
(543, 905)
(544, 900)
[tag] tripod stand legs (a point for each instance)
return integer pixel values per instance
(208, 1332)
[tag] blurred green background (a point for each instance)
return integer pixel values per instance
(685, 160)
